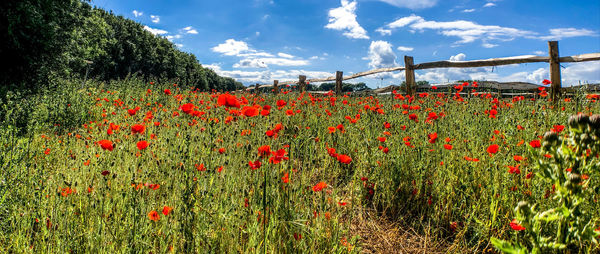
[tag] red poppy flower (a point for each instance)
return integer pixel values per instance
(254, 165)
(514, 224)
(285, 178)
(432, 137)
(228, 100)
(142, 144)
(278, 156)
(153, 215)
(200, 167)
(106, 144)
(558, 128)
(331, 129)
(105, 172)
(535, 143)
(381, 139)
(264, 151)
(546, 82)
(167, 210)
(344, 159)
(221, 150)
(131, 112)
(331, 152)
(319, 186)
(413, 117)
(138, 128)
(167, 92)
(281, 103)
(514, 169)
(493, 149)
(448, 147)
(249, 111)
(518, 158)
(187, 108)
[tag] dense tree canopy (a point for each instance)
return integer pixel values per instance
(43, 39)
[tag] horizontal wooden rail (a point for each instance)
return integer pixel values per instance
(552, 58)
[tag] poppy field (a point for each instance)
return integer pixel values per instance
(157, 168)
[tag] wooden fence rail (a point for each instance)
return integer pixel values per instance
(409, 67)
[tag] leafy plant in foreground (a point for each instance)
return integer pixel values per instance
(566, 162)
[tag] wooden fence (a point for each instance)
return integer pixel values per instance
(553, 59)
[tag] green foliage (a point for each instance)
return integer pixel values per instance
(56, 39)
(567, 225)
(346, 87)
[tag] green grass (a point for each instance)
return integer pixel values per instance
(421, 185)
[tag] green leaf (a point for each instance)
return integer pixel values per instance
(507, 247)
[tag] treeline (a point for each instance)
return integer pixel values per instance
(346, 87)
(47, 39)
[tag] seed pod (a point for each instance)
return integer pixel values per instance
(550, 137)
(595, 122)
(575, 178)
(579, 121)
(523, 208)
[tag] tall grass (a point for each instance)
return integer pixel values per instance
(61, 192)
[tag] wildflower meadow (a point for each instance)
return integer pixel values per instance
(142, 167)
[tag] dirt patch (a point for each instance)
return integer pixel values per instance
(379, 235)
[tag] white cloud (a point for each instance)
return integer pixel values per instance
(458, 57)
(154, 31)
(284, 61)
(381, 55)
(402, 22)
(384, 31)
(585, 72)
(250, 63)
(190, 30)
(489, 45)
(179, 45)
(539, 52)
(231, 47)
(468, 10)
(344, 19)
(466, 31)
(402, 48)
(411, 4)
(253, 58)
(155, 19)
(284, 55)
(254, 53)
(137, 13)
(489, 5)
(265, 62)
(560, 33)
(266, 76)
(171, 37)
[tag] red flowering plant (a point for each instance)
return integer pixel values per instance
(568, 224)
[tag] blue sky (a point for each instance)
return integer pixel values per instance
(257, 41)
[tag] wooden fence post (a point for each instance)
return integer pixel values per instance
(554, 69)
(302, 83)
(410, 75)
(275, 86)
(338, 82)
(256, 90)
